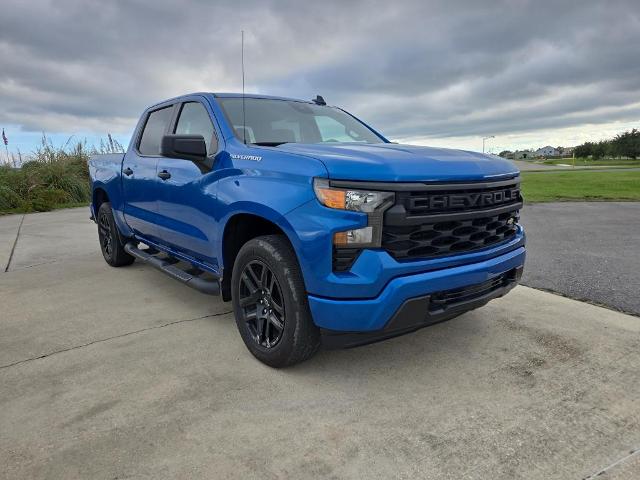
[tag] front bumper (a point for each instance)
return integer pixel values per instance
(406, 302)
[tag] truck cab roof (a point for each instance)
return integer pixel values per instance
(228, 95)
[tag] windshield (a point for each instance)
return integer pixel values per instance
(273, 122)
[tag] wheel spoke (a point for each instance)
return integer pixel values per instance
(277, 307)
(104, 222)
(263, 276)
(254, 277)
(272, 284)
(273, 320)
(267, 324)
(249, 283)
(261, 322)
(250, 300)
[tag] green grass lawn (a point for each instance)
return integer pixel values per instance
(584, 162)
(581, 185)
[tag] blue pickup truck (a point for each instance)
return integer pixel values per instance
(318, 229)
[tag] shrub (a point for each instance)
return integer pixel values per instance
(53, 176)
(9, 199)
(48, 199)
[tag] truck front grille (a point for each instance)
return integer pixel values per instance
(451, 219)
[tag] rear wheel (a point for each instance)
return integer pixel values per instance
(270, 303)
(110, 241)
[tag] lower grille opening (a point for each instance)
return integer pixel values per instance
(442, 300)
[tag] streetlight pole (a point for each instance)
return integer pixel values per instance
(486, 138)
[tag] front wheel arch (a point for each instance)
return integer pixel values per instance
(239, 229)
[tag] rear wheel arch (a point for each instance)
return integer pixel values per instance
(100, 196)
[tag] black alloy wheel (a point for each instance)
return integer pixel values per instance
(105, 234)
(262, 304)
(111, 243)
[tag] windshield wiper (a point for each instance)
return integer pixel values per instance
(269, 144)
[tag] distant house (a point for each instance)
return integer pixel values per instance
(547, 151)
(566, 151)
(524, 155)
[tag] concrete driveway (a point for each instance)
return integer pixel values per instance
(124, 373)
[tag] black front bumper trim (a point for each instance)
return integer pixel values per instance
(419, 312)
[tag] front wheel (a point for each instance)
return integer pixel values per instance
(270, 303)
(110, 242)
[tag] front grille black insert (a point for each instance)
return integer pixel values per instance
(445, 238)
(451, 219)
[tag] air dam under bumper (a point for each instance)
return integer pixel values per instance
(412, 302)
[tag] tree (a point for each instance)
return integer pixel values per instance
(585, 150)
(627, 144)
(599, 149)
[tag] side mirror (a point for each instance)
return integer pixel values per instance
(188, 147)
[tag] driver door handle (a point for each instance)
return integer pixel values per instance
(127, 171)
(164, 175)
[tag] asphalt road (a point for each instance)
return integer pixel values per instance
(585, 250)
(524, 165)
(124, 373)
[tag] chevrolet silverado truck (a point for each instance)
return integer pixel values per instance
(318, 229)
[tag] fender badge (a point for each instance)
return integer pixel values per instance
(253, 158)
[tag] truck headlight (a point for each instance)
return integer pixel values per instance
(371, 202)
(366, 201)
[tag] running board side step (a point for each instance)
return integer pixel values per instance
(210, 286)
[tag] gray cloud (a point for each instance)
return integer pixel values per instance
(440, 68)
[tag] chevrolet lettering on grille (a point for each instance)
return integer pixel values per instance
(465, 200)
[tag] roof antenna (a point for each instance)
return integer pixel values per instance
(244, 122)
(319, 100)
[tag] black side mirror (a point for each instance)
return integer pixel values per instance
(188, 147)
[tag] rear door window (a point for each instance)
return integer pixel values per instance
(154, 129)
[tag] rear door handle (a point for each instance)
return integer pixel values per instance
(127, 171)
(164, 175)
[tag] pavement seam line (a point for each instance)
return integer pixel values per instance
(582, 300)
(604, 470)
(111, 338)
(15, 243)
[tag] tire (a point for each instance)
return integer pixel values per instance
(110, 240)
(281, 332)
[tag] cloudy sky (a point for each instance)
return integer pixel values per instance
(439, 73)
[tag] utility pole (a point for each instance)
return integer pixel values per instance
(486, 138)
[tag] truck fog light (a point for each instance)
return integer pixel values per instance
(360, 236)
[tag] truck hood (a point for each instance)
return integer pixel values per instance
(393, 163)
